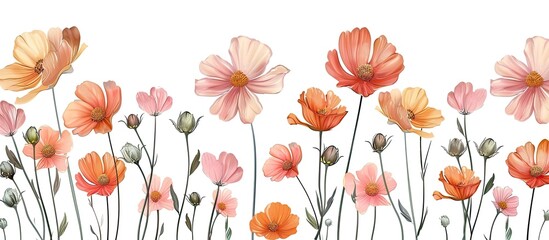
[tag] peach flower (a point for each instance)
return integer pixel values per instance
(98, 176)
(321, 112)
(155, 103)
(369, 188)
(225, 205)
(222, 171)
(504, 201)
(159, 195)
(51, 151)
(460, 185)
(283, 162)
(11, 119)
(533, 170)
(464, 99)
(277, 222)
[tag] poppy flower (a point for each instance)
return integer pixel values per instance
(390, 105)
(225, 205)
(533, 170)
(415, 101)
(369, 188)
(51, 150)
(238, 82)
(365, 73)
(159, 195)
(283, 162)
(276, 222)
(321, 112)
(460, 185)
(155, 103)
(98, 176)
(222, 171)
(11, 119)
(464, 99)
(91, 111)
(504, 201)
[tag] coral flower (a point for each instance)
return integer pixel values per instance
(277, 222)
(11, 119)
(226, 205)
(522, 165)
(367, 73)
(98, 176)
(369, 188)
(283, 162)
(321, 112)
(460, 185)
(239, 82)
(504, 201)
(159, 195)
(155, 103)
(528, 83)
(465, 100)
(51, 151)
(91, 112)
(222, 171)
(40, 60)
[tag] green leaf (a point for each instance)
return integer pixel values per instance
(175, 199)
(330, 200)
(320, 207)
(161, 230)
(91, 229)
(196, 162)
(228, 234)
(34, 189)
(188, 222)
(56, 183)
(12, 159)
(311, 220)
(460, 128)
(404, 212)
(508, 234)
(63, 225)
(489, 184)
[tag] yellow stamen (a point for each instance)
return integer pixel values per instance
(372, 189)
(103, 179)
(39, 67)
(536, 171)
(239, 79)
(48, 151)
(272, 226)
(365, 72)
(502, 205)
(287, 165)
(221, 206)
(411, 115)
(534, 79)
(155, 196)
(98, 114)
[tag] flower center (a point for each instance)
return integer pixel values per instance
(372, 189)
(411, 115)
(502, 205)
(103, 179)
(155, 196)
(272, 226)
(322, 111)
(287, 165)
(536, 171)
(48, 151)
(239, 79)
(39, 67)
(221, 206)
(534, 79)
(365, 72)
(98, 114)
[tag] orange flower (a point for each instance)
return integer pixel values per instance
(99, 175)
(91, 112)
(523, 166)
(321, 112)
(460, 185)
(276, 222)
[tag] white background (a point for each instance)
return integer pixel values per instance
(143, 45)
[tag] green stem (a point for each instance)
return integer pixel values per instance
(145, 202)
(322, 213)
(374, 225)
(117, 187)
(108, 218)
(541, 228)
(464, 219)
(152, 163)
(210, 227)
(357, 224)
(409, 186)
(26, 211)
(192, 223)
(530, 214)
(186, 186)
(54, 205)
(255, 174)
(96, 219)
(481, 196)
(38, 189)
(347, 168)
(459, 163)
(157, 224)
(4, 231)
(309, 198)
(389, 195)
(325, 177)
(493, 222)
(446, 232)
(470, 212)
(18, 221)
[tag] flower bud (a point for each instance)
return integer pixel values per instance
(380, 142)
(133, 121)
(32, 136)
(186, 123)
(444, 221)
(7, 170)
(328, 222)
(3, 223)
(487, 148)
(455, 148)
(546, 215)
(11, 197)
(131, 153)
(330, 156)
(194, 199)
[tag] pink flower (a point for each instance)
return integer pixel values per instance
(369, 190)
(282, 163)
(155, 103)
(237, 82)
(51, 151)
(222, 171)
(226, 205)
(159, 196)
(11, 119)
(465, 100)
(504, 202)
(527, 83)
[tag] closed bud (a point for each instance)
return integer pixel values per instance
(444, 221)
(3, 223)
(132, 121)
(7, 170)
(330, 156)
(546, 215)
(186, 123)
(328, 222)
(131, 153)
(487, 148)
(455, 148)
(380, 142)
(11, 197)
(194, 199)
(32, 136)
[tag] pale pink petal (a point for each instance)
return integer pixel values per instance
(155, 183)
(281, 152)
(162, 100)
(377, 200)
(211, 167)
(211, 87)
(503, 87)
(273, 168)
(349, 183)
(248, 105)
(249, 56)
(232, 172)
(64, 145)
(146, 102)
(537, 55)
(541, 106)
(270, 82)
(475, 100)
(391, 183)
(511, 68)
(226, 106)
(362, 205)
(45, 163)
(217, 68)
(368, 173)
(165, 189)
(60, 162)
(114, 97)
(522, 105)
(296, 153)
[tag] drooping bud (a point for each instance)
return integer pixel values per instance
(455, 148)
(3, 223)
(132, 121)
(32, 136)
(444, 221)
(194, 199)
(131, 153)
(380, 142)
(7, 170)
(330, 156)
(11, 197)
(487, 148)
(186, 123)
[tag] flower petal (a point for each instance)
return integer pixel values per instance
(248, 105)
(249, 56)
(270, 82)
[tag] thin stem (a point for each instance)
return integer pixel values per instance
(96, 219)
(18, 221)
(357, 224)
(211, 216)
(192, 223)
(4, 231)
(310, 202)
(374, 225)
(38, 189)
(323, 207)
(215, 220)
(157, 224)
(389, 195)
(541, 228)
(186, 186)
(117, 187)
(144, 147)
(422, 218)
(108, 217)
(145, 202)
(464, 219)
(71, 183)
(325, 177)
(26, 211)
(54, 205)
(530, 214)
(446, 232)
(409, 186)
(467, 140)
(481, 196)
(493, 222)
(327, 231)
(152, 163)
(459, 163)
(347, 168)
(255, 173)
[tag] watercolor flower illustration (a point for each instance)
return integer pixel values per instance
(51, 150)
(11, 119)
(369, 187)
(97, 175)
(276, 222)
(504, 201)
(530, 168)
(283, 162)
(321, 112)
(226, 204)
(459, 184)
(154, 103)
(221, 171)
(159, 195)
(465, 100)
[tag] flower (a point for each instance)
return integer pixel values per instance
(321, 112)
(225, 205)
(528, 83)
(186, 123)
(159, 195)
(460, 185)
(11, 119)
(11, 198)
(465, 100)
(194, 199)
(283, 162)
(50, 151)
(155, 103)
(504, 202)
(366, 74)
(330, 156)
(237, 83)
(487, 148)
(523, 165)
(72, 36)
(32, 136)
(91, 112)
(455, 148)
(132, 121)
(7, 170)
(369, 188)
(98, 176)
(3, 223)
(277, 221)
(444, 221)
(379, 142)
(131, 153)
(222, 171)
(328, 222)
